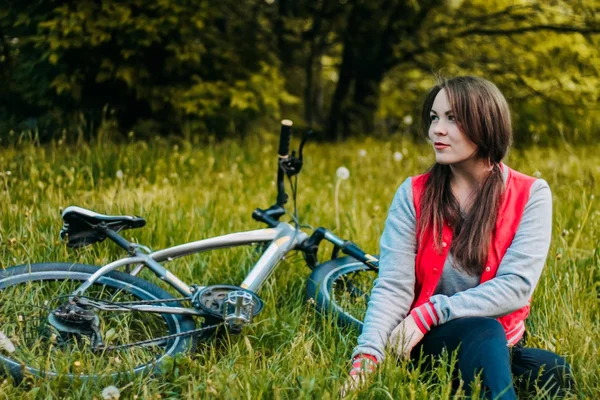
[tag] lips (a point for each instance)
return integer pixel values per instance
(440, 145)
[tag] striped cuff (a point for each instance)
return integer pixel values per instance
(515, 334)
(363, 363)
(425, 316)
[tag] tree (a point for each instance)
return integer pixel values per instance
(178, 64)
(387, 35)
(344, 67)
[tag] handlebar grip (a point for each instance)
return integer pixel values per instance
(284, 138)
(353, 250)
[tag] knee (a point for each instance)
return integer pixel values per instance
(483, 328)
(558, 378)
(553, 377)
(482, 339)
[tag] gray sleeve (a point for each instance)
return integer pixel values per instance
(393, 290)
(518, 272)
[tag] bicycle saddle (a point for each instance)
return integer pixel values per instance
(80, 227)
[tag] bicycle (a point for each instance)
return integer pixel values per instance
(65, 319)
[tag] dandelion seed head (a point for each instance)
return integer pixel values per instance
(398, 156)
(111, 393)
(342, 173)
(6, 344)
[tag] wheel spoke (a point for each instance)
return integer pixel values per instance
(351, 291)
(66, 347)
(342, 287)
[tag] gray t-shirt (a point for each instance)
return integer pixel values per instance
(457, 294)
(454, 280)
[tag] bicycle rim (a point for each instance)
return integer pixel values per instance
(29, 293)
(342, 289)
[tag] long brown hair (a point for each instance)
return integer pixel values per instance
(482, 114)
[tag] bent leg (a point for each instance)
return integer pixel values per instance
(481, 344)
(537, 369)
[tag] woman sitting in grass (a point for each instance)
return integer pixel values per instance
(461, 253)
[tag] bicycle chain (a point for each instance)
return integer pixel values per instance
(158, 339)
(139, 302)
(167, 337)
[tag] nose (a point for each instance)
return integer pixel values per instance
(440, 129)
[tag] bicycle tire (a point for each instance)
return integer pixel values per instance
(345, 303)
(42, 278)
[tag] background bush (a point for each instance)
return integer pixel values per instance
(345, 68)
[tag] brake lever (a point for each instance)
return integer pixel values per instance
(307, 135)
(293, 165)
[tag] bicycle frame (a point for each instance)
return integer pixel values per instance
(282, 239)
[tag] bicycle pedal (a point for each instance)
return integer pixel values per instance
(238, 310)
(234, 305)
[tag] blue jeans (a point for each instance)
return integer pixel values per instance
(481, 348)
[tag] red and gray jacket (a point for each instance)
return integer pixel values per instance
(430, 263)
(411, 270)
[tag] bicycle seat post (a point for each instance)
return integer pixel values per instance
(118, 239)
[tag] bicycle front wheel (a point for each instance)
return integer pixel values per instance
(30, 292)
(340, 288)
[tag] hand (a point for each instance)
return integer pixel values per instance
(405, 336)
(362, 366)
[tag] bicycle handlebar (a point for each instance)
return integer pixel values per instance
(284, 138)
(271, 215)
(284, 149)
(311, 246)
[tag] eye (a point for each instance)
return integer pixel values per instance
(433, 117)
(452, 118)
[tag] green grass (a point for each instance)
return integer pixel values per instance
(192, 191)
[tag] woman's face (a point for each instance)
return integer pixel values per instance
(450, 144)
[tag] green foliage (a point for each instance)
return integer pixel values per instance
(178, 62)
(343, 67)
(550, 76)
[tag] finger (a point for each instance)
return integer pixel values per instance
(350, 385)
